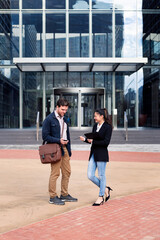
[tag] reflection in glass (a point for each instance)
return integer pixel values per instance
(125, 4)
(9, 98)
(74, 79)
(88, 106)
(32, 35)
(140, 34)
(55, 35)
(125, 34)
(72, 113)
(32, 98)
(78, 35)
(139, 4)
(79, 4)
(102, 4)
(149, 4)
(99, 79)
(108, 91)
(151, 38)
(60, 79)
(49, 80)
(102, 35)
(125, 98)
(142, 115)
(32, 4)
(86, 79)
(55, 4)
(10, 4)
(9, 37)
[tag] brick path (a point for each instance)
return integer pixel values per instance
(83, 155)
(135, 217)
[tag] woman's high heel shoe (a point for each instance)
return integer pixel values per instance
(98, 204)
(108, 197)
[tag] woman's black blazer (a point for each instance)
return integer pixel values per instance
(99, 146)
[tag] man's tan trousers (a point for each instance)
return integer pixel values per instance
(64, 165)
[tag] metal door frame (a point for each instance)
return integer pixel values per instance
(80, 91)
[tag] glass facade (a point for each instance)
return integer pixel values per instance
(85, 29)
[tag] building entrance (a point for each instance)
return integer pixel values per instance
(83, 102)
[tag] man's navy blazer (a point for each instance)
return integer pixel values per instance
(51, 131)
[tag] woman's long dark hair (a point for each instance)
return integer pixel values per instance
(104, 112)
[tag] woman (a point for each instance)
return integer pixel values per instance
(99, 153)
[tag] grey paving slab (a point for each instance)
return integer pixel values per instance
(86, 147)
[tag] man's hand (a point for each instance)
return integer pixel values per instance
(63, 142)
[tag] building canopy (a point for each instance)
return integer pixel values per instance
(127, 65)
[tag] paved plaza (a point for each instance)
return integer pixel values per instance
(133, 212)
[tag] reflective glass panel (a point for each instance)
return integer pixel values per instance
(9, 98)
(140, 34)
(55, 35)
(9, 4)
(86, 79)
(102, 35)
(79, 4)
(73, 79)
(32, 4)
(49, 80)
(9, 37)
(99, 79)
(125, 34)
(125, 4)
(150, 115)
(60, 79)
(32, 35)
(78, 35)
(102, 4)
(151, 38)
(32, 98)
(108, 91)
(125, 98)
(55, 4)
(139, 4)
(149, 4)
(88, 106)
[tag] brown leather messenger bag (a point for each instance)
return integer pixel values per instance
(50, 152)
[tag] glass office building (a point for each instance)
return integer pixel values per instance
(92, 52)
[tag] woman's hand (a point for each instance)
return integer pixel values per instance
(82, 138)
(90, 140)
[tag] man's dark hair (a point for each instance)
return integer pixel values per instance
(62, 102)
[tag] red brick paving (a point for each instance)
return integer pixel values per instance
(135, 217)
(83, 155)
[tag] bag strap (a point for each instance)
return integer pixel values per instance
(62, 129)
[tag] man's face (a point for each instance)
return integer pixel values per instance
(62, 110)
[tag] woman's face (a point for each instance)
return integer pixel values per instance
(97, 117)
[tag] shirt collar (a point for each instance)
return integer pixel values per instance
(99, 125)
(57, 115)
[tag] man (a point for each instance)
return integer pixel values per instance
(55, 130)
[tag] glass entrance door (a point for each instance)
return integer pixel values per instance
(72, 113)
(89, 103)
(83, 102)
(88, 106)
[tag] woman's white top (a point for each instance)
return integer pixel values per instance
(99, 127)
